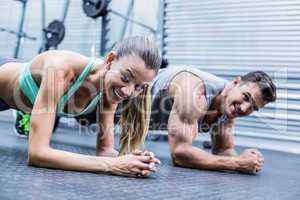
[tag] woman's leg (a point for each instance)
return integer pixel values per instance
(22, 123)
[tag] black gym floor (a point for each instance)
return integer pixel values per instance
(279, 180)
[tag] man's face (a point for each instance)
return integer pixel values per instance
(242, 99)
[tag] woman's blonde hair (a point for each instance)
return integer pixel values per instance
(135, 122)
(135, 116)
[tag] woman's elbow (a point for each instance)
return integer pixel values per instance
(36, 156)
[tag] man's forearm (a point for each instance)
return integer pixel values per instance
(225, 152)
(193, 157)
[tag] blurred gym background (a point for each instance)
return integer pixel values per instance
(227, 38)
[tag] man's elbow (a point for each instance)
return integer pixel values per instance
(179, 156)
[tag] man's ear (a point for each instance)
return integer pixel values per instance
(110, 57)
(237, 80)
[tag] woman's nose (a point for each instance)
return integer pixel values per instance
(128, 90)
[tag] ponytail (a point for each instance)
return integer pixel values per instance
(135, 122)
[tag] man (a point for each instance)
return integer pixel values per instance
(186, 100)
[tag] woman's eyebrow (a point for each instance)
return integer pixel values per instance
(131, 74)
(136, 77)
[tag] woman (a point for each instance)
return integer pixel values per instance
(62, 83)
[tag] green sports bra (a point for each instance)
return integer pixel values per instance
(30, 89)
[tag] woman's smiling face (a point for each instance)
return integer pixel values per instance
(127, 77)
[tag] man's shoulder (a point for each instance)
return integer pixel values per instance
(202, 74)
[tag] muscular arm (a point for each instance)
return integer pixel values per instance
(189, 106)
(181, 135)
(223, 139)
(184, 154)
(249, 161)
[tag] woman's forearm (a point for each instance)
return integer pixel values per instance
(41, 154)
(104, 141)
(105, 146)
(58, 159)
(105, 137)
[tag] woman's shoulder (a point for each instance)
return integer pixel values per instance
(61, 60)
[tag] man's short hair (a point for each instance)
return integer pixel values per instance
(264, 82)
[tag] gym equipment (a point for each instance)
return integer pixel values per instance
(20, 33)
(164, 63)
(133, 21)
(95, 8)
(54, 33)
(99, 8)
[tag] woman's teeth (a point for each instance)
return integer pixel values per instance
(117, 94)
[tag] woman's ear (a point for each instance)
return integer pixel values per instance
(111, 56)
